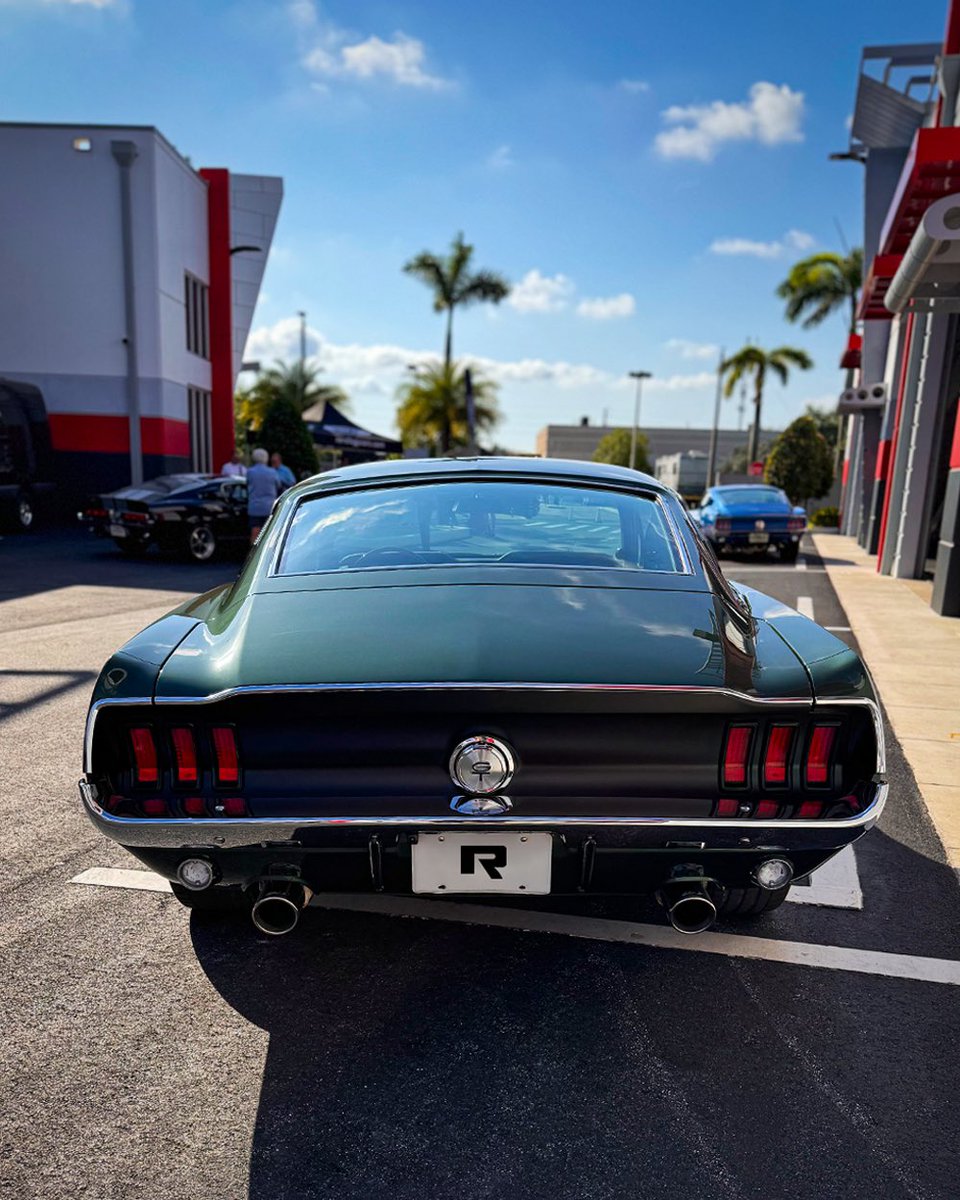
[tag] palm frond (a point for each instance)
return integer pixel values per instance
(486, 286)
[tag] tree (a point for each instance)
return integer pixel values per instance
(739, 460)
(827, 422)
(299, 386)
(614, 447)
(283, 430)
(432, 408)
(752, 361)
(819, 285)
(454, 285)
(800, 462)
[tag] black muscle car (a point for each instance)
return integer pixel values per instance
(493, 676)
(193, 515)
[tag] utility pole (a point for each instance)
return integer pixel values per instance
(712, 456)
(303, 359)
(639, 376)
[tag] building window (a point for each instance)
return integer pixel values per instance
(196, 304)
(198, 407)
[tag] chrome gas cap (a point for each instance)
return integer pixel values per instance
(482, 764)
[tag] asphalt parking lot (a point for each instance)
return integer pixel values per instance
(151, 1053)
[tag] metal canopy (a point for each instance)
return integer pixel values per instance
(928, 278)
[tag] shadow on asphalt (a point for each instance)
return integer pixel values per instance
(69, 681)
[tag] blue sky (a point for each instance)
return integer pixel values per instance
(642, 171)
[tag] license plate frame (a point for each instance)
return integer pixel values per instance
(467, 862)
(758, 539)
(117, 530)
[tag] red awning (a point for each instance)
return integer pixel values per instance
(851, 356)
(932, 170)
(879, 277)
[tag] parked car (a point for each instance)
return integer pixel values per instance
(751, 517)
(193, 515)
(26, 458)
(565, 697)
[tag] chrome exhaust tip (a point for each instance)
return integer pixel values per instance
(690, 898)
(693, 912)
(277, 909)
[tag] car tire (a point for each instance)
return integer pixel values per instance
(751, 901)
(788, 552)
(228, 899)
(21, 515)
(202, 544)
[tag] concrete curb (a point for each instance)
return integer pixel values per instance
(914, 658)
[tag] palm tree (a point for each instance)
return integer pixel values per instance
(752, 361)
(295, 382)
(453, 284)
(819, 285)
(432, 407)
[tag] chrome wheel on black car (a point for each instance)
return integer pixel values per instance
(201, 543)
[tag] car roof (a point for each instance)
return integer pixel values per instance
(535, 468)
(740, 487)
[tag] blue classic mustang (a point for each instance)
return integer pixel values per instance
(751, 517)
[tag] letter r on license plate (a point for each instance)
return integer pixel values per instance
(485, 861)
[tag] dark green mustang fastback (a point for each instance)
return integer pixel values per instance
(488, 675)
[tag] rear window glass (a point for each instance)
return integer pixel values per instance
(753, 495)
(483, 522)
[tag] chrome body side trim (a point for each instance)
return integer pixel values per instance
(228, 833)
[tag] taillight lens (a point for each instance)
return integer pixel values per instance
(195, 806)
(797, 524)
(155, 807)
(766, 809)
(736, 754)
(234, 806)
(185, 753)
(225, 747)
(810, 809)
(144, 755)
(818, 754)
(722, 524)
(778, 754)
(728, 808)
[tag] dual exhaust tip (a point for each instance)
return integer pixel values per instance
(691, 900)
(277, 908)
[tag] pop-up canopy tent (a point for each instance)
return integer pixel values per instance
(355, 444)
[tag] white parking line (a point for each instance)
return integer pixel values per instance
(660, 937)
(805, 606)
(834, 885)
(801, 564)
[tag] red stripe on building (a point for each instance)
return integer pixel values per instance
(111, 434)
(221, 313)
(846, 472)
(895, 435)
(955, 447)
(883, 459)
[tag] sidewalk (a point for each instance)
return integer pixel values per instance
(914, 657)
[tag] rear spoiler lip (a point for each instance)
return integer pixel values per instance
(806, 702)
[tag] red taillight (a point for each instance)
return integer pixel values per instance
(185, 752)
(134, 518)
(154, 807)
(728, 808)
(225, 746)
(145, 755)
(94, 513)
(736, 754)
(766, 809)
(797, 524)
(778, 754)
(234, 806)
(195, 806)
(818, 755)
(723, 524)
(810, 809)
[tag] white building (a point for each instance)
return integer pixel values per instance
(130, 280)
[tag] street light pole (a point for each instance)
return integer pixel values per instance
(639, 376)
(712, 456)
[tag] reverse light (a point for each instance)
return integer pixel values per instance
(195, 874)
(773, 873)
(144, 755)
(225, 748)
(818, 754)
(735, 755)
(778, 754)
(185, 752)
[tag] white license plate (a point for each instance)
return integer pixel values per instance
(758, 539)
(118, 531)
(447, 863)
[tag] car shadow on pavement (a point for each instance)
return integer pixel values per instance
(69, 680)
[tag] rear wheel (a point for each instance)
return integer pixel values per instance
(751, 901)
(20, 514)
(213, 900)
(201, 543)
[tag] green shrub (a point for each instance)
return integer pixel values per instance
(283, 429)
(829, 516)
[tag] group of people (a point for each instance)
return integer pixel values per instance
(267, 476)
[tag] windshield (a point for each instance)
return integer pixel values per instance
(753, 495)
(484, 522)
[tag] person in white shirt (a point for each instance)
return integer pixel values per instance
(235, 466)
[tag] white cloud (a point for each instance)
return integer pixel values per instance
(501, 159)
(688, 349)
(329, 52)
(605, 308)
(772, 115)
(635, 87)
(540, 293)
(794, 239)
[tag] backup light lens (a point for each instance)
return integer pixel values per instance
(736, 754)
(185, 751)
(228, 764)
(145, 755)
(818, 755)
(773, 873)
(195, 874)
(778, 754)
